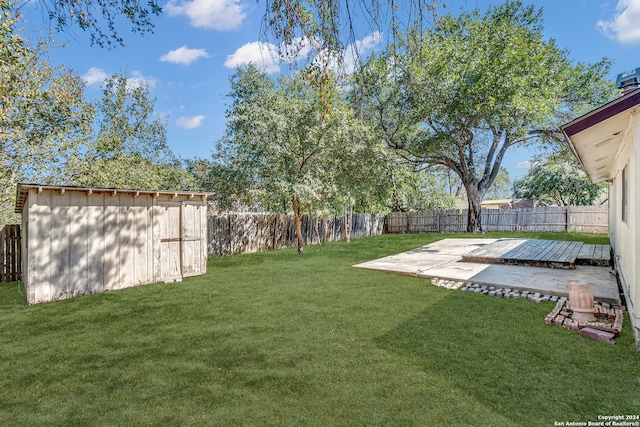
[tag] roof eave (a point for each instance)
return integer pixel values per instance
(22, 191)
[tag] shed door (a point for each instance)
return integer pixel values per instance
(170, 259)
(181, 235)
(193, 258)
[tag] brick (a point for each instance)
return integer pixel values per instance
(597, 335)
(568, 324)
(559, 320)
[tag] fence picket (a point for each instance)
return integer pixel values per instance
(10, 253)
(585, 219)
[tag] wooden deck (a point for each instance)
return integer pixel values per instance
(542, 253)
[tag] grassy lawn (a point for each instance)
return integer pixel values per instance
(276, 339)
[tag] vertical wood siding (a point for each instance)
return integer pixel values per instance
(80, 242)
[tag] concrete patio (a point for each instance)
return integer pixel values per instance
(443, 260)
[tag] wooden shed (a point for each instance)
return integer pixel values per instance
(79, 240)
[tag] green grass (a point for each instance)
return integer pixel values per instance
(276, 339)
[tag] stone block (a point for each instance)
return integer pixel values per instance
(597, 335)
(568, 324)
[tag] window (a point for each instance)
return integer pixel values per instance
(625, 194)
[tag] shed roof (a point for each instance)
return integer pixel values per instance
(596, 136)
(23, 190)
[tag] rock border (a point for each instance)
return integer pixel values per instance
(609, 317)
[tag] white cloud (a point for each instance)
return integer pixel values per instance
(268, 57)
(216, 14)
(94, 76)
(625, 25)
(190, 122)
(183, 55)
(138, 80)
(262, 55)
(523, 165)
(359, 49)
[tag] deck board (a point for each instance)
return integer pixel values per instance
(545, 253)
(596, 255)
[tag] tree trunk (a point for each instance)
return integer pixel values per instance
(325, 228)
(348, 215)
(474, 219)
(297, 214)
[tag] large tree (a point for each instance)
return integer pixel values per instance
(43, 114)
(466, 90)
(127, 147)
(560, 180)
(285, 145)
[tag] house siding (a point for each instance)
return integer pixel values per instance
(625, 235)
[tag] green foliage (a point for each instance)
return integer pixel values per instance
(43, 114)
(501, 187)
(559, 180)
(419, 190)
(286, 143)
(294, 25)
(101, 18)
(461, 93)
(128, 147)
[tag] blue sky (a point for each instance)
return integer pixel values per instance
(197, 44)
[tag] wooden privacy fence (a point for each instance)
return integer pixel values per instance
(585, 219)
(11, 258)
(252, 232)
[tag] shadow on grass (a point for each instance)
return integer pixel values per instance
(503, 355)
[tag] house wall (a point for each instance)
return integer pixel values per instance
(77, 242)
(625, 235)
